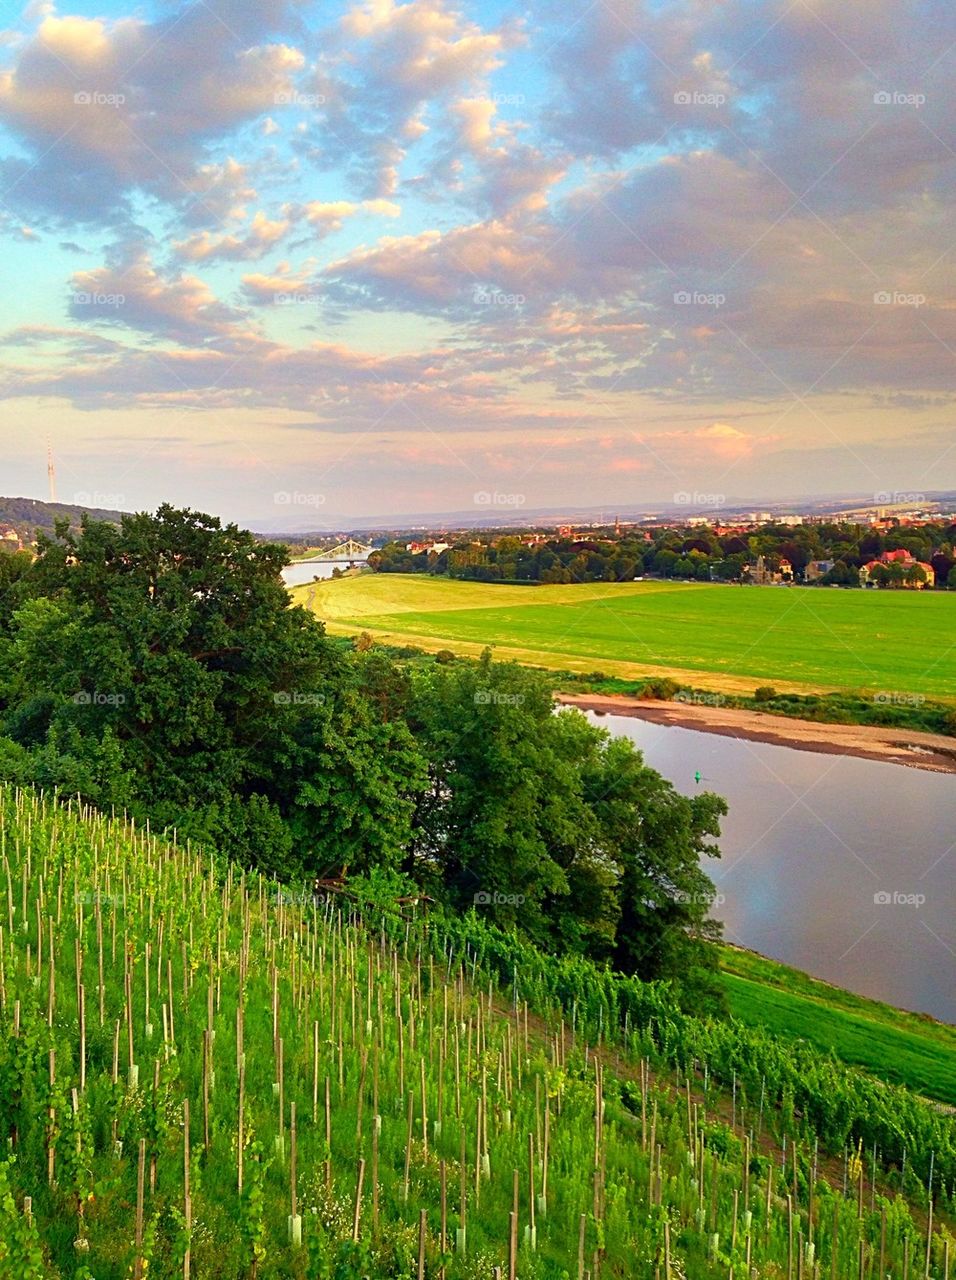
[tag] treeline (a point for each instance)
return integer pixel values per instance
(689, 553)
(156, 667)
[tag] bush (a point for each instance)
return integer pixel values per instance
(444, 657)
(765, 693)
(664, 689)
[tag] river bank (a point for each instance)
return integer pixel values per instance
(911, 747)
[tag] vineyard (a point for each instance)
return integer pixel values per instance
(205, 1074)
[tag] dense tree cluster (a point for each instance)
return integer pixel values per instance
(157, 666)
(696, 553)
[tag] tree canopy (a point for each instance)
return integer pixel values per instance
(157, 665)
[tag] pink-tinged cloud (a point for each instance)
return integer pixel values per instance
(131, 293)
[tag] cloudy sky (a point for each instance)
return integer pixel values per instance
(296, 262)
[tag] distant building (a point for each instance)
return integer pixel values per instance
(906, 561)
(436, 548)
(760, 575)
(816, 569)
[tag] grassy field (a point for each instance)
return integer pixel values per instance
(903, 1048)
(726, 637)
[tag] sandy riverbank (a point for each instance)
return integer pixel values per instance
(910, 747)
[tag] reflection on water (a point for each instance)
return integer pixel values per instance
(845, 868)
(294, 575)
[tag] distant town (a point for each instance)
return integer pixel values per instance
(878, 546)
(909, 549)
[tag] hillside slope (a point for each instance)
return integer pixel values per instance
(204, 1074)
(28, 515)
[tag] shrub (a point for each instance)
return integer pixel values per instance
(664, 689)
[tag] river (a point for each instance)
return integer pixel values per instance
(294, 575)
(842, 867)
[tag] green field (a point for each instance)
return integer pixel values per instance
(730, 637)
(903, 1048)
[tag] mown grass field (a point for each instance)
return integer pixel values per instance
(903, 1048)
(729, 637)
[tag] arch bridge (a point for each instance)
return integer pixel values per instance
(345, 553)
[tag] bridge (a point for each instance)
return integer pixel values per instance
(345, 553)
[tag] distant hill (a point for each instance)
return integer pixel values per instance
(28, 515)
(502, 511)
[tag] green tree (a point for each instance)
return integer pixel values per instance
(165, 649)
(656, 837)
(502, 816)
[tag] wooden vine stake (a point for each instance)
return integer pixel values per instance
(356, 1219)
(422, 1234)
(140, 1183)
(187, 1194)
(295, 1218)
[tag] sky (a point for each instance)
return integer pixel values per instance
(296, 263)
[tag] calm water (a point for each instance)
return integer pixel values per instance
(293, 575)
(812, 848)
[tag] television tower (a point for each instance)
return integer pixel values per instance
(51, 471)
